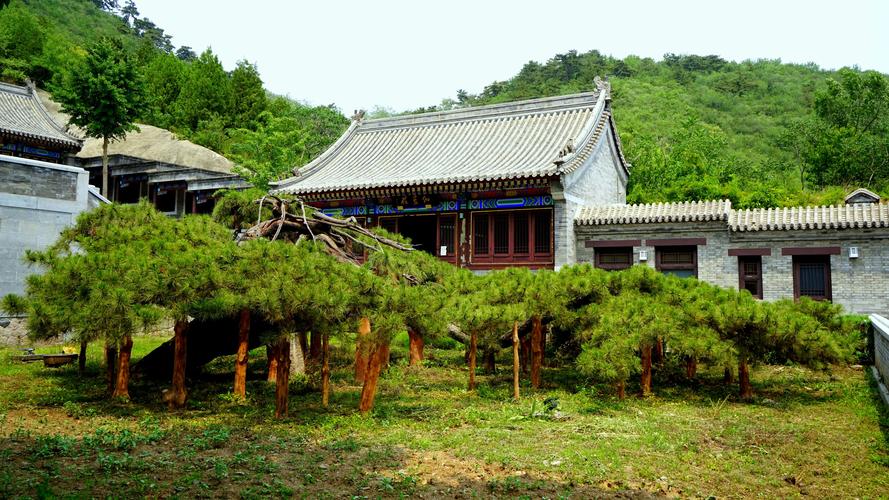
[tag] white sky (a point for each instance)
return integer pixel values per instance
(406, 54)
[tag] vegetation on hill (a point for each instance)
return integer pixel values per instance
(761, 133)
(190, 94)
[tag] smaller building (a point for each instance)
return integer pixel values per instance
(838, 253)
(177, 176)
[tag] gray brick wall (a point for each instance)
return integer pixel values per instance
(859, 285)
(37, 181)
(599, 181)
(33, 212)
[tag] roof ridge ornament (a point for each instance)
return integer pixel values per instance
(358, 115)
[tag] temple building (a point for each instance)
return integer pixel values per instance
(542, 184)
(177, 176)
(483, 187)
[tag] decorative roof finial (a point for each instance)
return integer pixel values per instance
(358, 115)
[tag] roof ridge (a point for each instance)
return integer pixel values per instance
(470, 113)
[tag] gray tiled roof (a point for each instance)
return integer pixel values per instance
(688, 211)
(486, 143)
(757, 219)
(22, 115)
(832, 217)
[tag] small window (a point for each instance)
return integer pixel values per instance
(543, 233)
(480, 236)
(750, 275)
(679, 261)
(501, 234)
(446, 234)
(614, 259)
(520, 233)
(811, 277)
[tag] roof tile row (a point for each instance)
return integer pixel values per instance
(861, 215)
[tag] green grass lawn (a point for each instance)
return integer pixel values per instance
(807, 433)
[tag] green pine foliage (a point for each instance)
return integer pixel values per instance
(121, 268)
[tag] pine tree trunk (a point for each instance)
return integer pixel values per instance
(543, 345)
(105, 173)
(490, 362)
(361, 359)
(110, 365)
(728, 376)
(178, 393)
(371, 377)
(315, 348)
(658, 355)
(81, 358)
(473, 340)
(515, 360)
(525, 353)
(415, 347)
(325, 370)
(536, 351)
(744, 378)
(122, 388)
(621, 389)
(385, 351)
(243, 353)
(271, 354)
(691, 367)
(282, 378)
(645, 380)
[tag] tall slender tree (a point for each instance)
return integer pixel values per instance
(104, 95)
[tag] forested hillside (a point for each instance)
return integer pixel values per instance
(190, 94)
(760, 133)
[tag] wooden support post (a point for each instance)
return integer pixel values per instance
(178, 393)
(122, 387)
(515, 361)
(243, 353)
(282, 378)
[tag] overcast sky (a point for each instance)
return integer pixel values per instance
(406, 54)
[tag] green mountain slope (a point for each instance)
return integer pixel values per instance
(696, 126)
(192, 95)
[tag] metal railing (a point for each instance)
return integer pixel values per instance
(880, 350)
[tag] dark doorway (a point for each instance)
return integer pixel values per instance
(421, 230)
